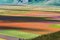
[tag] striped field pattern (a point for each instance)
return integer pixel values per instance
(29, 19)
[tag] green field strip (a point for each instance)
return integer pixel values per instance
(55, 25)
(19, 34)
(8, 12)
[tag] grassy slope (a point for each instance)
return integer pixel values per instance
(52, 36)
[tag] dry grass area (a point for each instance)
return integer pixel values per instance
(29, 13)
(30, 7)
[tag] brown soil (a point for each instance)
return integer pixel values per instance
(30, 25)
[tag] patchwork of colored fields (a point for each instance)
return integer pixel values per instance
(31, 29)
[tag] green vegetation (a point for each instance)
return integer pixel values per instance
(52, 36)
(18, 34)
(12, 12)
(55, 25)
